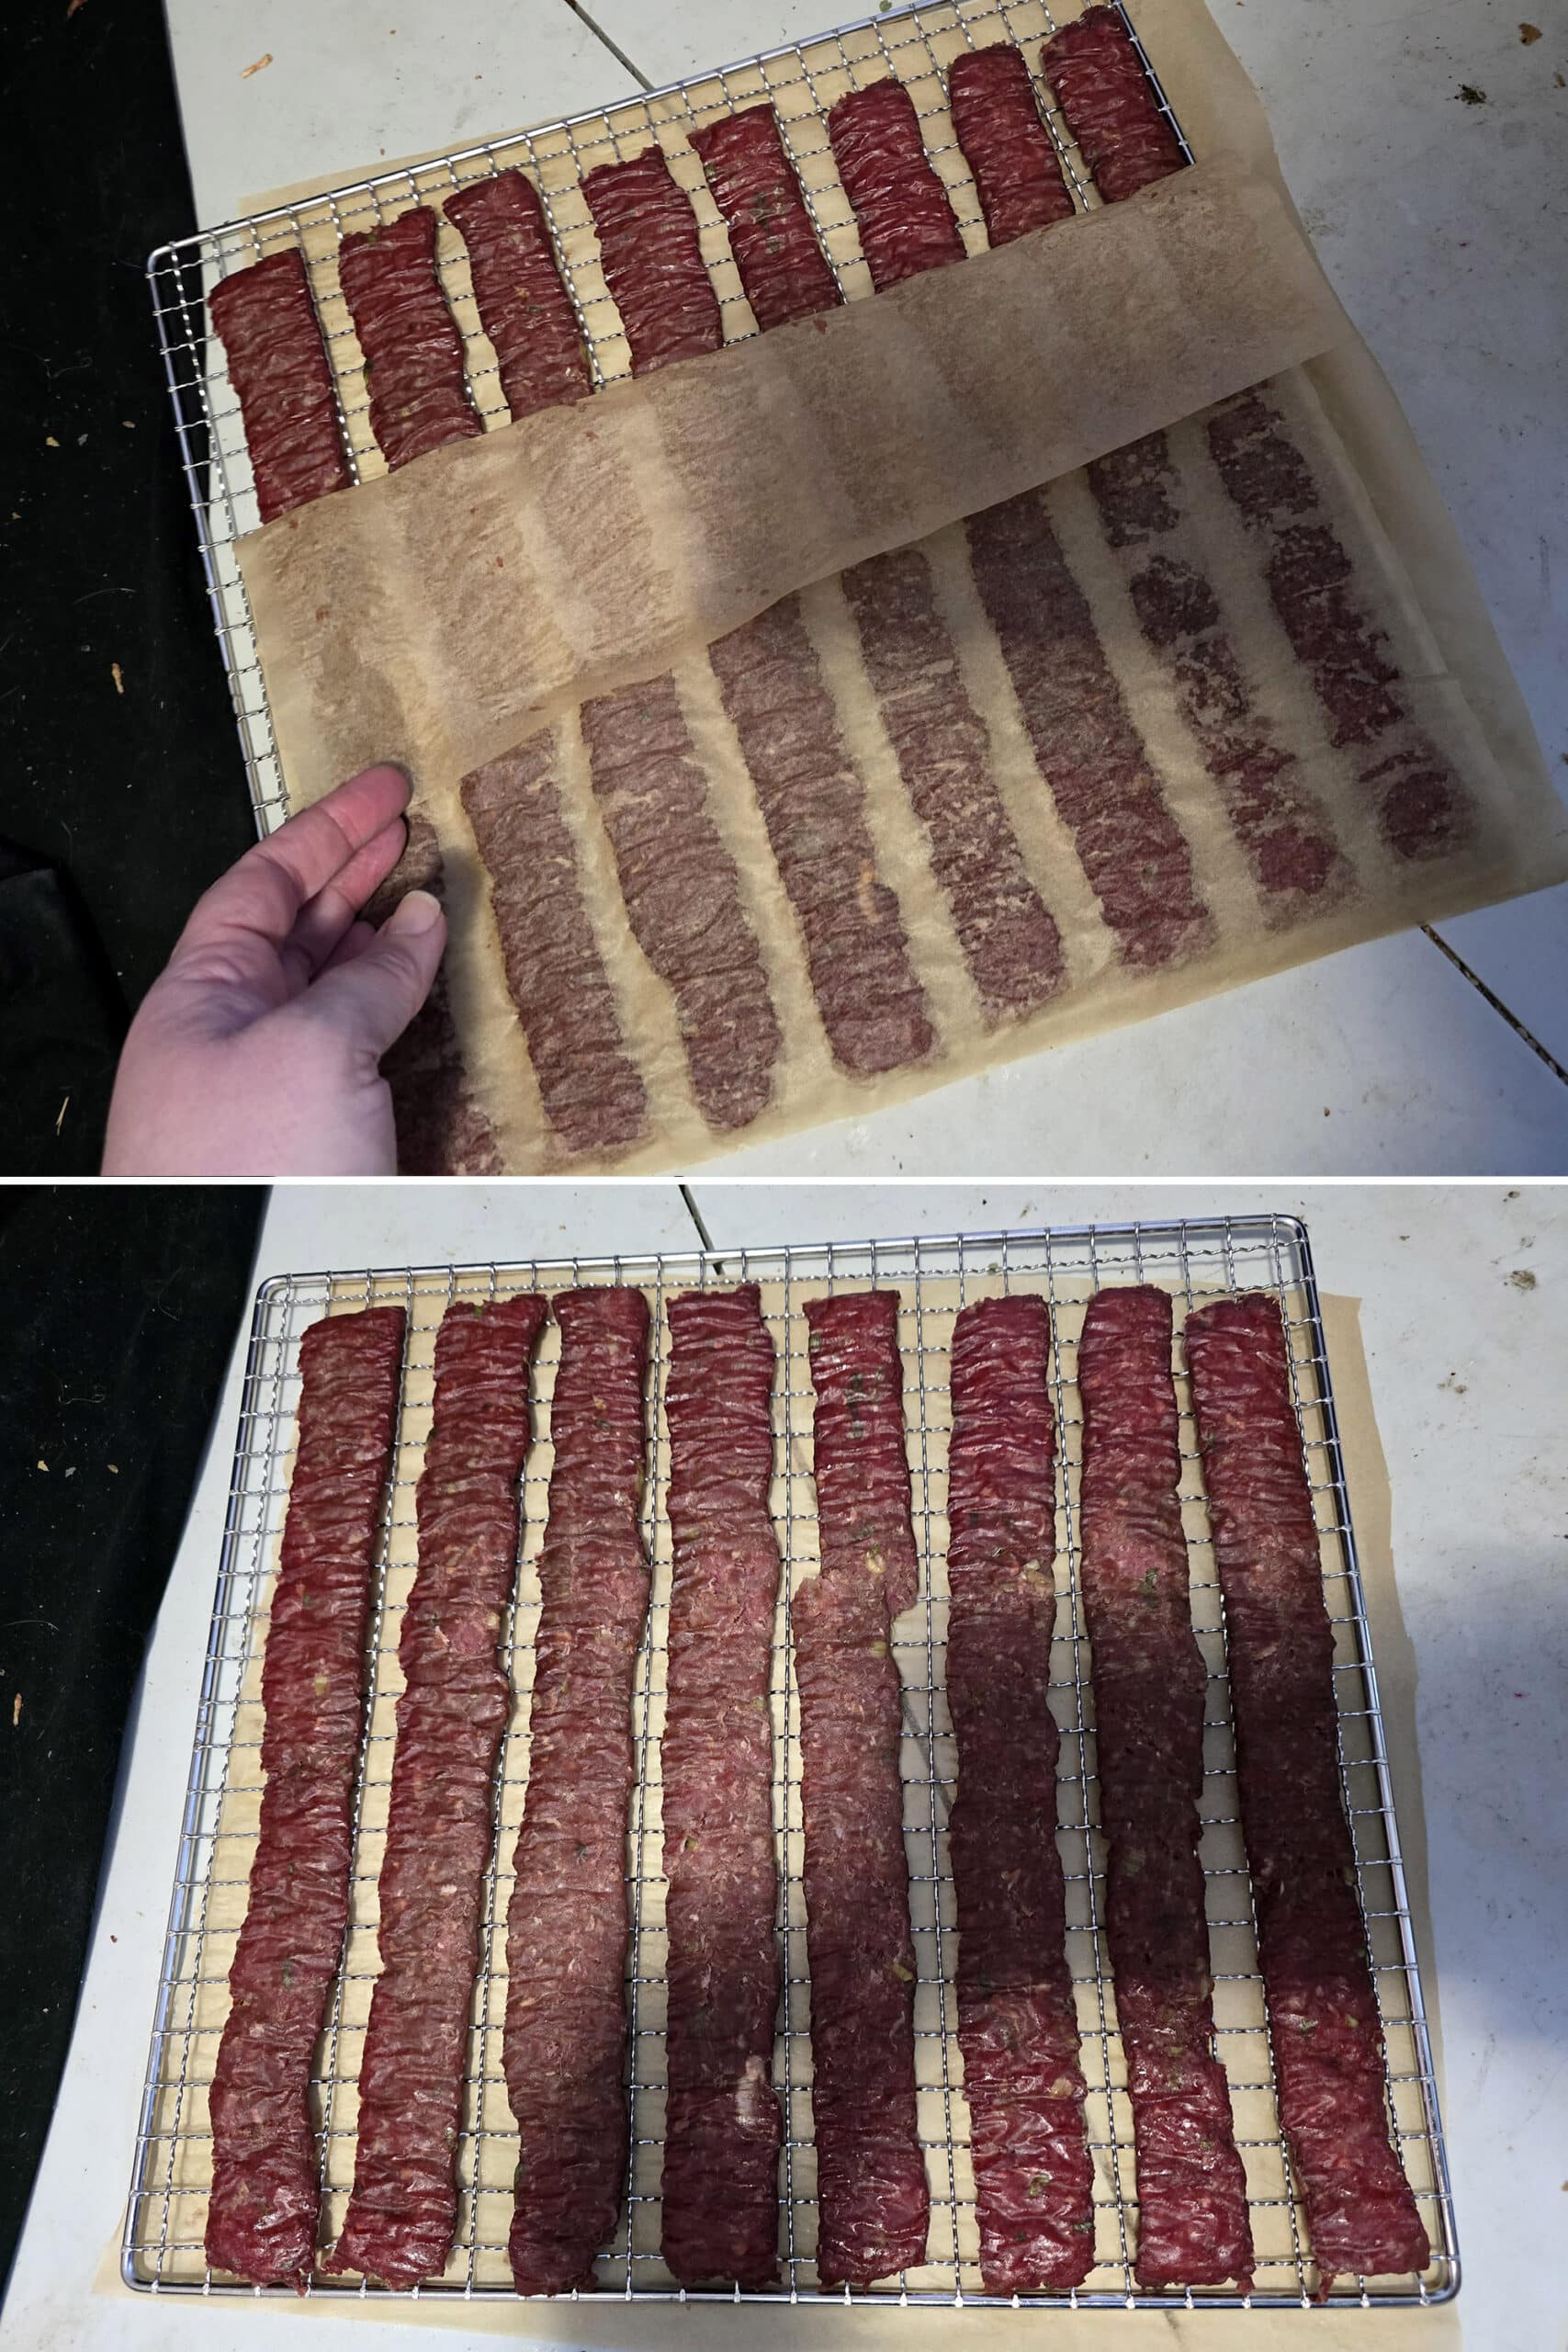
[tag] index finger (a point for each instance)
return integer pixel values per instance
(263, 892)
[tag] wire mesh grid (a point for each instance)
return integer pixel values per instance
(167, 2213)
(915, 44)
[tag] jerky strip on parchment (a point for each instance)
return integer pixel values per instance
(568, 1926)
(1109, 104)
(593, 1096)
(261, 2217)
(522, 302)
(906, 221)
(1150, 1684)
(813, 803)
(413, 352)
(682, 893)
(451, 1717)
(771, 235)
(723, 2130)
(874, 2204)
(653, 261)
(1322, 2016)
(1018, 173)
(1018, 2026)
(278, 367)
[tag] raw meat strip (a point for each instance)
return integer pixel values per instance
(1149, 1689)
(874, 2204)
(653, 261)
(278, 367)
(451, 1717)
(568, 1926)
(906, 221)
(1018, 175)
(1017, 2024)
(1110, 107)
(413, 352)
(261, 2217)
(524, 306)
(723, 2130)
(771, 234)
(1328, 2037)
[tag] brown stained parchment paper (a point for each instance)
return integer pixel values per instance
(441, 617)
(606, 2321)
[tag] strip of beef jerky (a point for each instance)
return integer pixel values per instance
(568, 1926)
(1018, 175)
(874, 2204)
(260, 2215)
(653, 262)
(906, 221)
(278, 367)
(523, 303)
(413, 352)
(441, 1128)
(1283, 830)
(813, 803)
(1016, 2023)
(723, 2130)
(1109, 106)
(593, 1095)
(1422, 806)
(682, 893)
(1086, 746)
(1009, 941)
(1327, 2038)
(775, 248)
(451, 1716)
(1150, 1684)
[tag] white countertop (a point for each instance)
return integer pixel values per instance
(1440, 223)
(1469, 1360)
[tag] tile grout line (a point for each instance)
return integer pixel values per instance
(1496, 1001)
(601, 34)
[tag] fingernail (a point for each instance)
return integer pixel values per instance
(418, 911)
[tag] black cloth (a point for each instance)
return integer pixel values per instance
(122, 1307)
(130, 785)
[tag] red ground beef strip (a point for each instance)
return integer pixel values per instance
(723, 2129)
(1086, 746)
(683, 893)
(1327, 2038)
(413, 352)
(593, 1095)
(278, 367)
(1109, 104)
(261, 2218)
(874, 2204)
(1009, 941)
(523, 303)
(771, 235)
(1018, 173)
(1150, 1686)
(813, 802)
(653, 261)
(1422, 807)
(451, 1718)
(906, 221)
(1016, 2023)
(1283, 830)
(568, 1924)
(441, 1127)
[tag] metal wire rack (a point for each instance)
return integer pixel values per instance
(1195, 1261)
(802, 81)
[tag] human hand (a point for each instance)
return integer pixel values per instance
(256, 1051)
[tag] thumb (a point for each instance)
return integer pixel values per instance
(371, 1000)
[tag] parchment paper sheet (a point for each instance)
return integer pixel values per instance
(646, 2327)
(439, 617)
